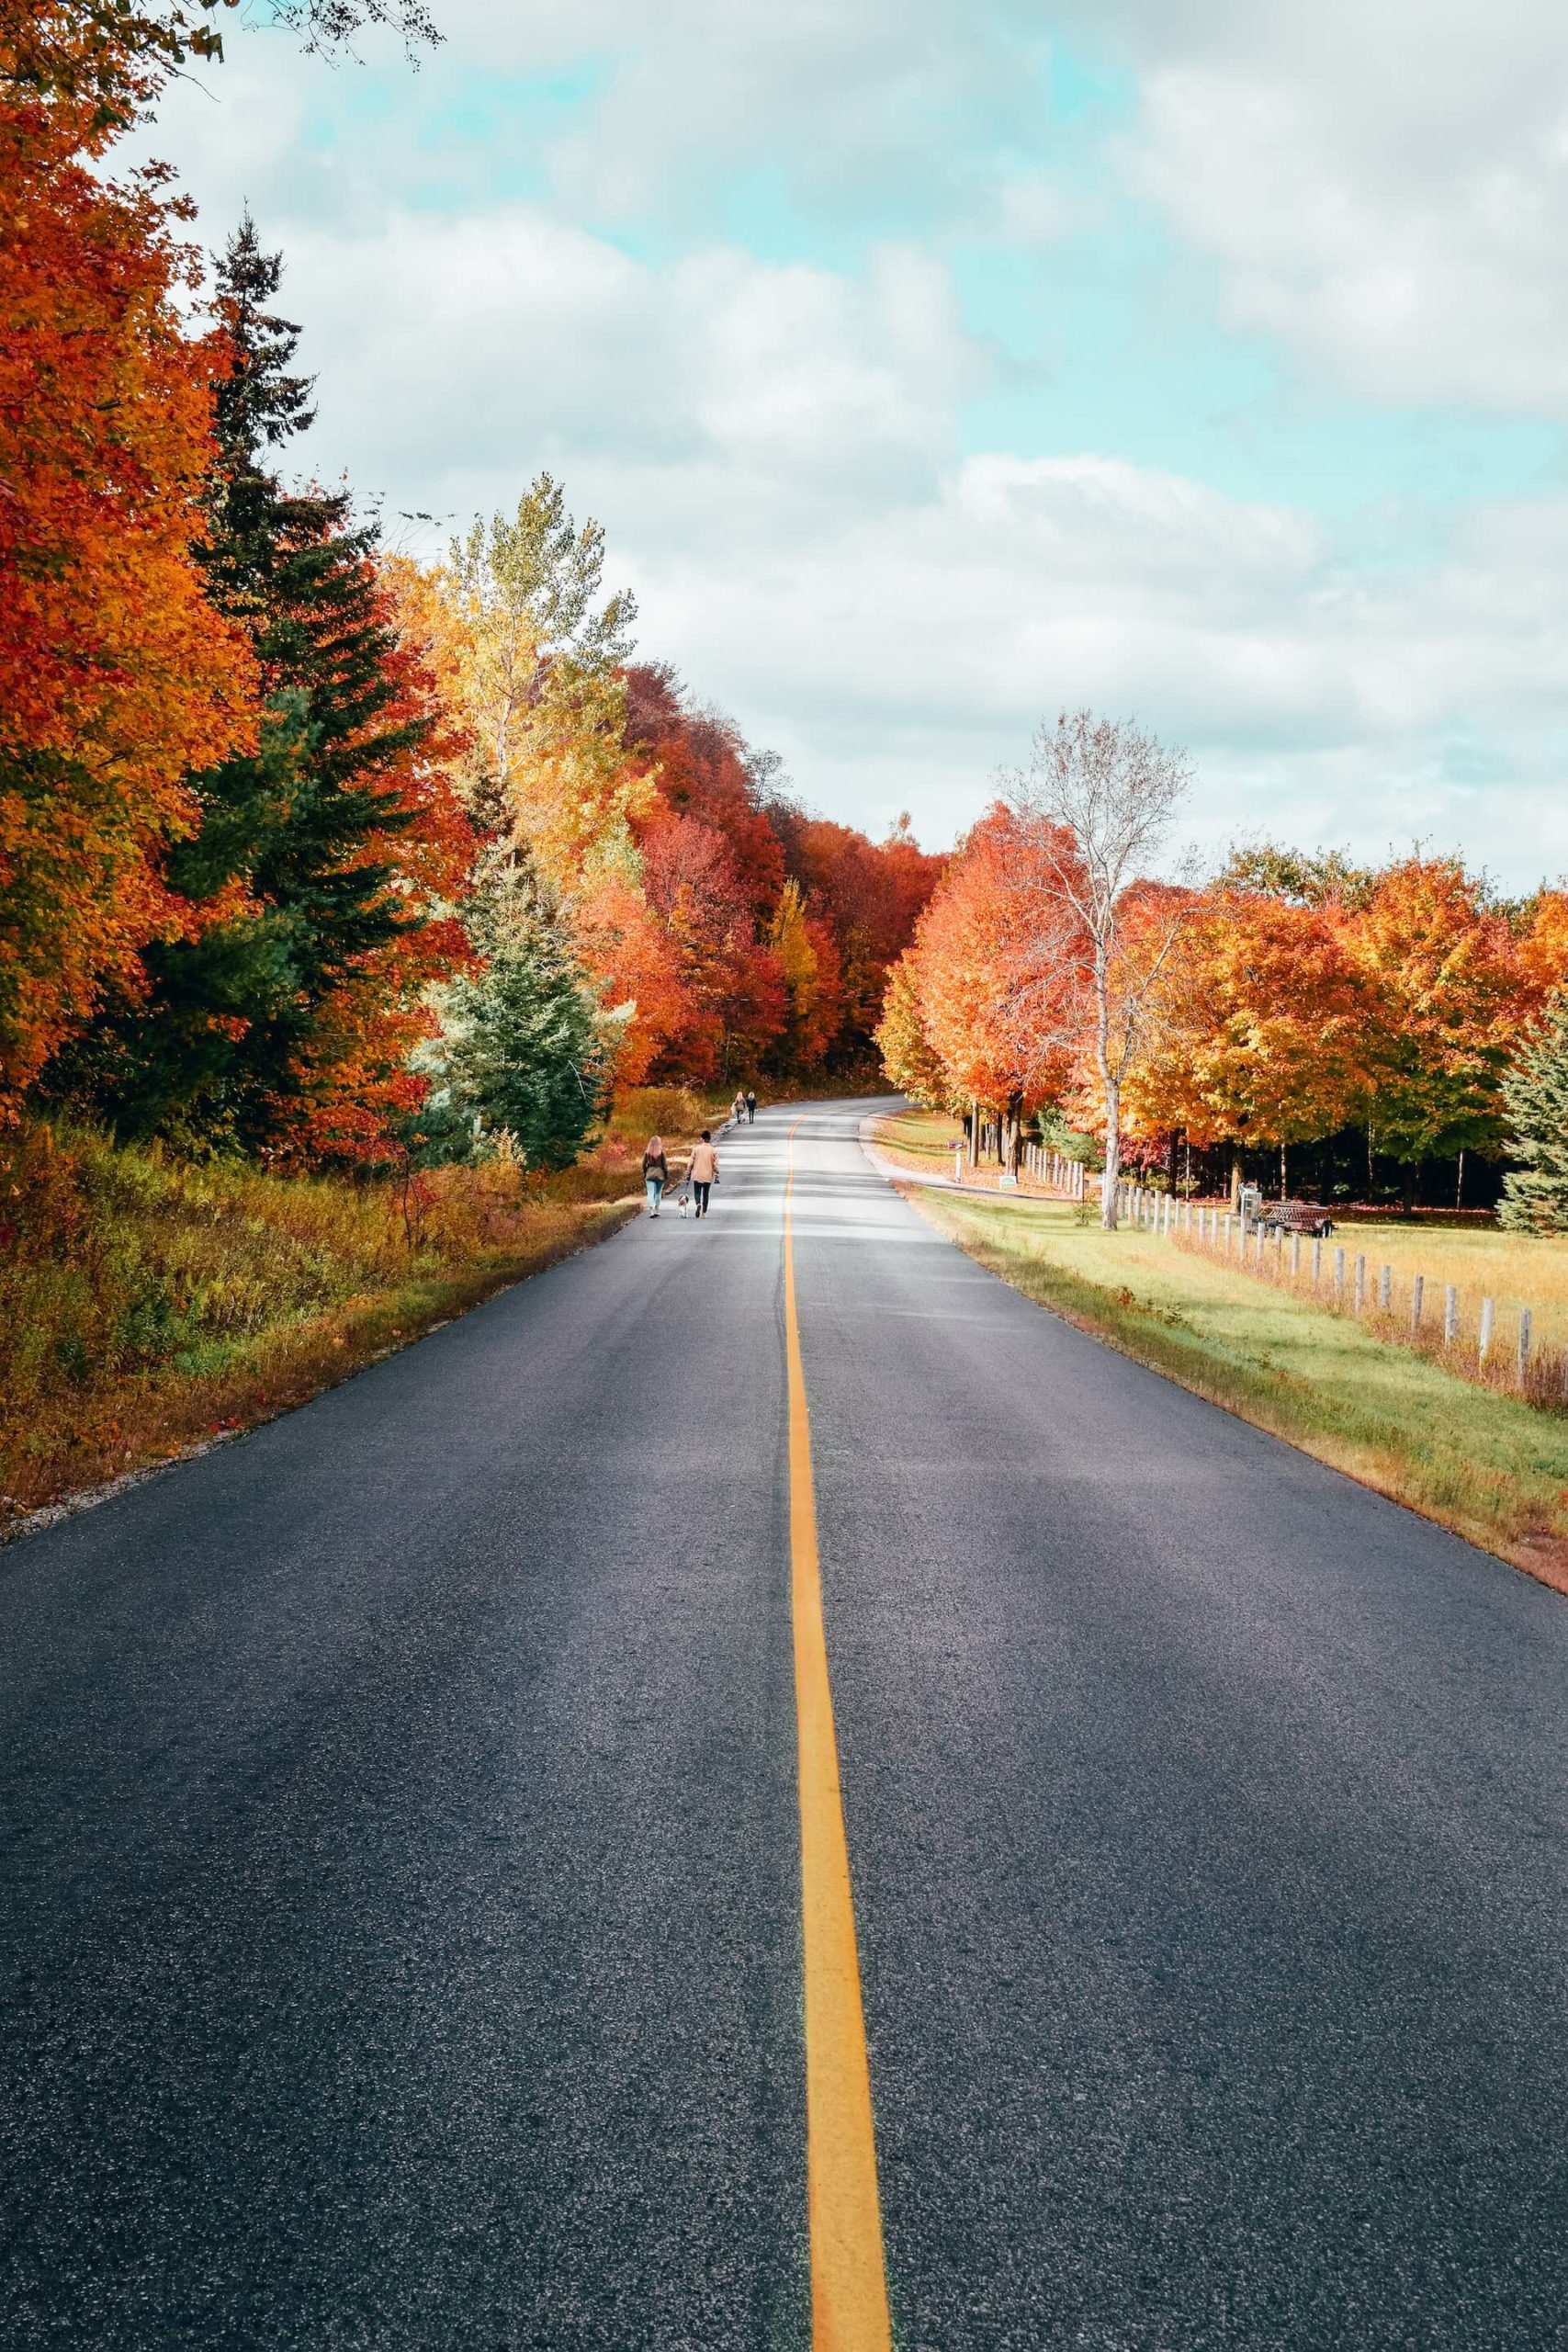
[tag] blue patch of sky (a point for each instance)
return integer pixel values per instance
(465, 137)
(1112, 345)
(1105, 338)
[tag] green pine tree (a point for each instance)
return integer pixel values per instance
(523, 1044)
(211, 1048)
(1535, 1197)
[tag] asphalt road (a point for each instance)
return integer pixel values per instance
(398, 1893)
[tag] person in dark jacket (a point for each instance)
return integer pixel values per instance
(655, 1172)
(750, 1107)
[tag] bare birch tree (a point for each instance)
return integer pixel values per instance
(1102, 797)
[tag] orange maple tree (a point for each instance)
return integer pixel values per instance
(117, 677)
(1259, 1031)
(1447, 997)
(1000, 962)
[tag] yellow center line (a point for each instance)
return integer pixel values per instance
(849, 2286)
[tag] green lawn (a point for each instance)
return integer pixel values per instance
(923, 1134)
(1485, 1463)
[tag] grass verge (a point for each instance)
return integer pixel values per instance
(1490, 1466)
(148, 1305)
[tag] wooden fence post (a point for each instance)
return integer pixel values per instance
(1450, 1315)
(1483, 1339)
(1385, 1288)
(1339, 1278)
(1418, 1293)
(1524, 1344)
(1316, 1259)
(1361, 1283)
(1295, 1255)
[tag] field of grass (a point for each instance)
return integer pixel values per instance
(149, 1304)
(923, 1134)
(924, 1142)
(1513, 1270)
(1489, 1465)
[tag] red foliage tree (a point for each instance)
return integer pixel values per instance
(117, 677)
(1000, 959)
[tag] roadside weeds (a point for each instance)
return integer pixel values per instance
(117, 1431)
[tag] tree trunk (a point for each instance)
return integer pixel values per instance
(1112, 1152)
(1015, 1133)
(1284, 1176)
(1236, 1172)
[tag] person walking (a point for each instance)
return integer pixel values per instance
(751, 1106)
(655, 1172)
(737, 1108)
(703, 1172)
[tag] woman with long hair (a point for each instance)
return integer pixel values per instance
(655, 1172)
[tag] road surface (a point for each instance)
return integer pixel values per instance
(400, 1918)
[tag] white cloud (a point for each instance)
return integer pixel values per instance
(712, 391)
(1385, 181)
(775, 446)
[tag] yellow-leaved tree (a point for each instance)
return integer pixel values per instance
(537, 661)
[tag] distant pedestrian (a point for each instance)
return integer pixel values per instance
(750, 1107)
(655, 1172)
(737, 1108)
(703, 1172)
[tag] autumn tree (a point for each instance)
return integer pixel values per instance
(314, 881)
(908, 1057)
(694, 886)
(808, 966)
(1441, 972)
(539, 660)
(702, 768)
(1105, 795)
(871, 892)
(1302, 878)
(117, 678)
(1258, 1029)
(998, 964)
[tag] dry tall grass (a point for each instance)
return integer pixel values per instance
(1516, 1271)
(146, 1303)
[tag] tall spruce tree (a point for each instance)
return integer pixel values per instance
(283, 894)
(523, 1044)
(1535, 1197)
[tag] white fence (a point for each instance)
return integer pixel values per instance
(1051, 1168)
(1337, 1279)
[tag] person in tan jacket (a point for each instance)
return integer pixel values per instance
(703, 1172)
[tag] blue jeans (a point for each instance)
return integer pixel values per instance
(655, 1191)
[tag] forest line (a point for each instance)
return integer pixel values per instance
(308, 851)
(1295, 1018)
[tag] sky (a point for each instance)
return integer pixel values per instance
(936, 365)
